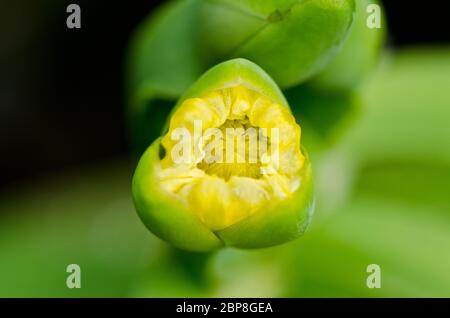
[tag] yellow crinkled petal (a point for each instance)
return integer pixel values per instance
(224, 193)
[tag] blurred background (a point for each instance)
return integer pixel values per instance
(66, 167)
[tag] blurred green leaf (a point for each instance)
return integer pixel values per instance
(409, 243)
(406, 110)
(415, 182)
(399, 143)
(324, 115)
(85, 218)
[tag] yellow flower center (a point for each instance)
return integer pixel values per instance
(230, 153)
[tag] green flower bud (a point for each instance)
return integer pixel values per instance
(229, 169)
(291, 39)
(359, 54)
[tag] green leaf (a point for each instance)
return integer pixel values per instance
(398, 143)
(410, 244)
(85, 217)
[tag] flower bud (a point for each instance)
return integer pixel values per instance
(229, 169)
(290, 39)
(358, 55)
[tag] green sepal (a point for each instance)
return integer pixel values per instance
(232, 73)
(235, 72)
(163, 214)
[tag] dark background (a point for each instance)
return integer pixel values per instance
(61, 90)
